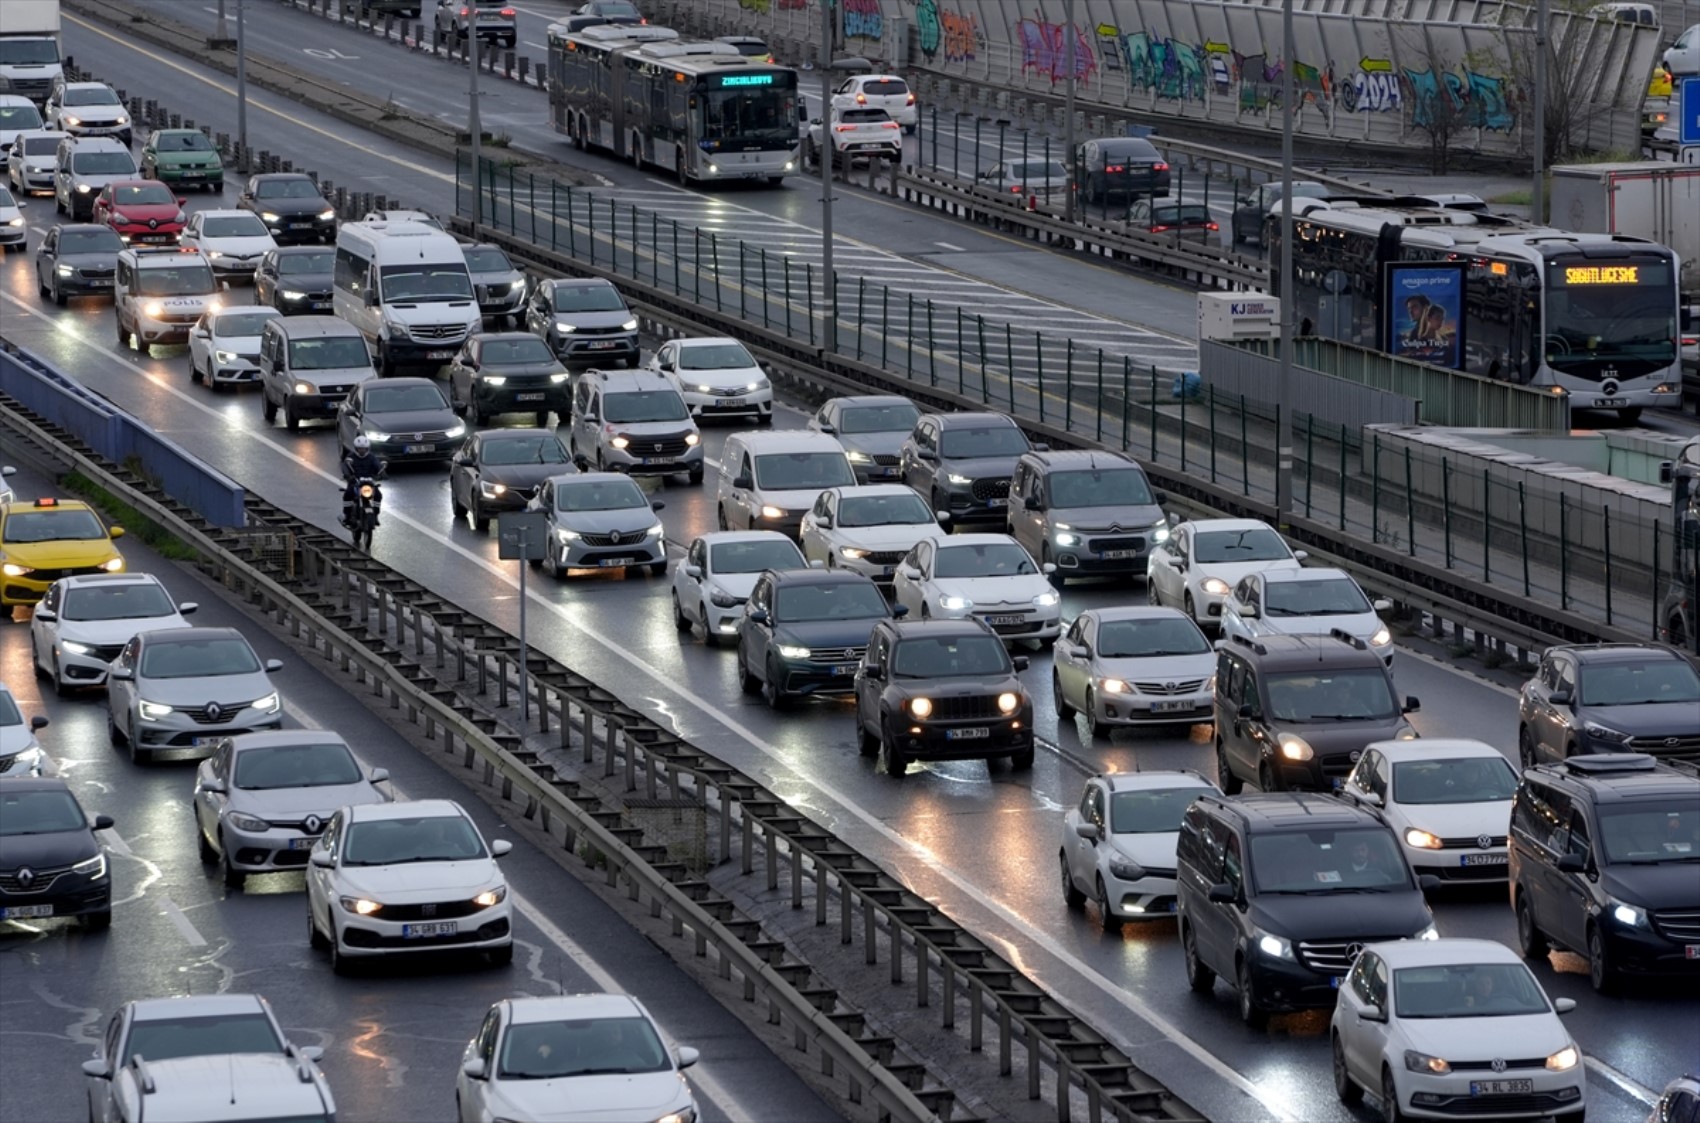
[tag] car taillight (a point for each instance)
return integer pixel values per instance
(507, 13)
(890, 125)
(1158, 229)
(1211, 226)
(844, 128)
(1159, 166)
(1016, 190)
(911, 100)
(1116, 168)
(466, 11)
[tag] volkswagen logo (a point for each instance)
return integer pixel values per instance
(312, 824)
(215, 712)
(26, 877)
(850, 654)
(1353, 951)
(419, 436)
(1484, 841)
(1497, 1064)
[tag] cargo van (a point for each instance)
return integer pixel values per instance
(406, 287)
(308, 365)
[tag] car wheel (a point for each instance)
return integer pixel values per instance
(680, 620)
(696, 477)
(1344, 1087)
(1152, 597)
(747, 682)
(232, 877)
(456, 507)
(61, 688)
(658, 568)
(1094, 727)
(97, 921)
(1065, 712)
(1225, 778)
(1020, 760)
(1106, 916)
(480, 519)
(1266, 778)
(1199, 977)
(138, 755)
(315, 938)
(1525, 747)
(1602, 972)
(340, 963)
(1191, 609)
(1390, 1109)
(113, 733)
(268, 409)
(502, 956)
(1072, 896)
(194, 370)
(772, 693)
(1251, 1013)
(896, 764)
(708, 634)
(208, 854)
(1531, 942)
(291, 420)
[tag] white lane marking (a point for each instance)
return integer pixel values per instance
(1639, 1091)
(948, 246)
(116, 843)
(193, 938)
(539, 46)
(1509, 692)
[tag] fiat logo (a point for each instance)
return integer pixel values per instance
(1498, 1064)
(1484, 841)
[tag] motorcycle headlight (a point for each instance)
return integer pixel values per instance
(791, 651)
(959, 479)
(1294, 747)
(1604, 732)
(921, 707)
(1009, 702)
(1047, 600)
(491, 897)
(629, 325)
(1422, 1062)
(1626, 914)
(360, 906)
(1565, 1059)
(270, 704)
(1382, 638)
(565, 328)
(955, 604)
(1215, 586)
(153, 711)
(1422, 839)
(246, 822)
(95, 867)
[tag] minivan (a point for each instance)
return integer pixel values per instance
(633, 422)
(768, 481)
(406, 287)
(308, 365)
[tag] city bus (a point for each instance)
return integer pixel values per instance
(1591, 316)
(699, 110)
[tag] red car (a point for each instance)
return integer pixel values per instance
(142, 211)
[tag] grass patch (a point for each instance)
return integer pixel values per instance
(1518, 198)
(120, 513)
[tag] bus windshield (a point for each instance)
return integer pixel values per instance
(1616, 312)
(750, 114)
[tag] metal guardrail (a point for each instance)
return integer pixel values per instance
(1236, 371)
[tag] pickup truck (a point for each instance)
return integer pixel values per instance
(856, 131)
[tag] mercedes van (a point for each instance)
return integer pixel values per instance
(406, 287)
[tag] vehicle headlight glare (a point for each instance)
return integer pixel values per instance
(12, 569)
(494, 380)
(1215, 586)
(1422, 1062)
(921, 707)
(857, 457)
(852, 553)
(76, 648)
(619, 442)
(959, 479)
(566, 535)
(1008, 701)
(303, 388)
(360, 906)
(629, 325)
(326, 216)
(791, 651)
(491, 897)
(153, 309)
(1628, 915)
(270, 704)
(1116, 686)
(153, 711)
(657, 530)
(377, 435)
(1065, 539)
(269, 216)
(768, 512)
(557, 379)
(113, 565)
(955, 604)
(247, 822)
(565, 328)
(1422, 839)
(1274, 946)
(692, 440)
(1429, 933)
(1382, 638)
(1047, 600)
(1604, 732)
(1294, 747)
(1565, 1059)
(458, 429)
(1160, 531)
(96, 867)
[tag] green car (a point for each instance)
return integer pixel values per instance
(183, 156)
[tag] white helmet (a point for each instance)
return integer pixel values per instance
(362, 443)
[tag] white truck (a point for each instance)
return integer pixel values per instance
(29, 48)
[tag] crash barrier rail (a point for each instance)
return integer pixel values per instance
(118, 437)
(440, 664)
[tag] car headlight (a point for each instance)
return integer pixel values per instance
(458, 429)
(1046, 600)
(1215, 586)
(758, 384)
(493, 379)
(1422, 1062)
(246, 822)
(95, 867)
(724, 600)
(857, 457)
(83, 189)
(629, 325)
(683, 1115)
(121, 219)
(1009, 702)
(772, 513)
(491, 897)
(73, 122)
(29, 761)
(1429, 933)
(692, 440)
(921, 707)
(293, 294)
(113, 565)
(705, 389)
(566, 535)
(326, 216)
(76, 648)
(852, 553)
(303, 388)
(269, 216)
(1406, 732)
(955, 604)
(224, 356)
(1565, 1059)
(377, 435)
(270, 704)
(557, 379)
(12, 569)
(397, 331)
(791, 651)
(1066, 539)
(1382, 638)
(122, 120)
(212, 255)
(565, 328)
(1604, 732)
(1275, 947)
(1126, 870)
(959, 479)
(619, 442)
(1115, 686)
(657, 530)
(1294, 747)
(1422, 839)
(19, 221)
(153, 711)
(1160, 530)
(153, 309)
(65, 270)
(1626, 914)
(360, 905)
(491, 491)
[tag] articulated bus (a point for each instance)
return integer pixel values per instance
(699, 110)
(1590, 316)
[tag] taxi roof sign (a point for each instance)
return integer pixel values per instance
(47, 501)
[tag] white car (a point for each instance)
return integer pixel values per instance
(403, 216)
(1305, 602)
(14, 234)
(716, 377)
(1449, 801)
(82, 624)
(868, 529)
(29, 165)
(881, 91)
(985, 575)
(1138, 665)
(7, 495)
(86, 109)
(1118, 843)
(20, 753)
(224, 346)
(719, 573)
(397, 878)
(1204, 559)
(1439, 1029)
(18, 114)
(1683, 56)
(573, 1057)
(233, 241)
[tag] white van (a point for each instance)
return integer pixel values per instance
(406, 287)
(768, 481)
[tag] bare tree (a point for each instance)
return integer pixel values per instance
(1439, 111)
(1577, 107)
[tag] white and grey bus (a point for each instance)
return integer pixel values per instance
(699, 110)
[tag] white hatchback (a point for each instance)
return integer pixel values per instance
(716, 377)
(990, 576)
(720, 572)
(224, 347)
(881, 91)
(1118, 843)
(1306, 602)
(868, 529)
(1203, 559)
(1449, 801)
(234, 241)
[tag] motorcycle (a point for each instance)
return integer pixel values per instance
(363, 514)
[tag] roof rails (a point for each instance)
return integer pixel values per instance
(1348, 638)
(1247, 641)
(1607, 764)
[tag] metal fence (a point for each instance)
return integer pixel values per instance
(1251, 372)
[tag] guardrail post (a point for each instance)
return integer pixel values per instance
(787, 295)
(1446, 515)
(976, 1015)
(743, 289)
(1656, 549)
(870, 950)
(1068, 385)
(714, 255)
(771, 842)
(809, 292)
(861, 313)
(909, 337)
(955, 143)
(1127, 397)
(1039, 375)
(1183, 398)
(1098, 407)
(1522, 524)
(1411, 519)
(1342, 476)
(846, 910)
(932, 347)
(961, 352)
(1006, 1063)
(1605, 544)
(1211, 407)
(1487, 526)
(1375, 492)
(748, 860)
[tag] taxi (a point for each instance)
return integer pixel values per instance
(47, 539)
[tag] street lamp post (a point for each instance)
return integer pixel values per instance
(474, 125)
(1284, 386)
(241, 79)
(1068, 110)
(824, 153)
(1537, 193)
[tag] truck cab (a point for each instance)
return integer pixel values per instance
(29, 49)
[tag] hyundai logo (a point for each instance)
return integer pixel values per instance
(311, 824)
(26, 877)
(1484, 841)
(1672, 742)
(214, 711)
(1497, 1064)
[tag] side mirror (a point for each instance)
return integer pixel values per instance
(103, 822)
(926, 454)
(823, 427)
(182, 201)
(1087, 830)
(1383, 604)
(123, 674)
(378, 775)
(1372, 1014)
(743, 483)
(1300, 555)
(1084, 648)
(1021, 662)
(1572, 863)
(591, 415)
(38, 722)
(1048, 568)
(187, 608)
(1247, 711)
(1223, 894)
(1248, 611)
(213, 785)
(899, 611)
(758, 616)
(817, 564)
(274, 665)
(1162, 498)
(500, 847)
(1369, 798)
(694, 572)
(323, 859)
(474, 1068)
(371, 298)
(1560, 698)
(874, 674)
(1564, 1005)
(688, 1056)
(1041, 446)
(824, 521)
(1032, 503)
(942, 516)
(311, 1052)
(96, 1069)
(654, 506)
(1411, 704)
(115, 532)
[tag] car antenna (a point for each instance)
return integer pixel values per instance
(230, 1067)
(561, 973)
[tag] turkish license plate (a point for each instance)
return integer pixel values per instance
(321, 305)
(302, 843)
(1006, 619)
(412, 449)
(440, 356)
(1502, 1087)
(999, 502)
(154, 239)
(888, 570)
(1171, 706)
(605, 345)
(301, 226)
(610, 563)
(659, 459)
(1483, 859)
(728, 402)
(193, 175)
(1334, 981)
(972, 733)
(537, 397)
(1611, 402)
(101, 283)
(25, 912)
(434, 928)
(844, 669)
(1118, 555)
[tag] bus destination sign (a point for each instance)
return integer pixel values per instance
(744, 80)
(1602, 275)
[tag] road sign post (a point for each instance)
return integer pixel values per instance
(522, 536)
(1688, 131)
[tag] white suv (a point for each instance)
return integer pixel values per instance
(159, 295)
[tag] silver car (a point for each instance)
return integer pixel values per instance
(500, 287)
(188, 687)
(872, 429)
(600, 520)
(1045, 179)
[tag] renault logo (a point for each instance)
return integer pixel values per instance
(1484, 841)
(153, 224)
(311, 824)
(26, 877)
(215, 711)
(1497, 1064)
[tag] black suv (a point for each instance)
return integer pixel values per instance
(1295, 712)
(963, 463)
(804, 632)
(1279, 893)
(942, 690)
(292, 205)
(1609, 698)
(1605, 861)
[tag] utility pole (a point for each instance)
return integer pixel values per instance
(1284, 388)
(241, 77)
(1537, 192)
(223, 32)
(475, 127)
(1068, 111)
(824, 152)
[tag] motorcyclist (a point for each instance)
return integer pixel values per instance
(360, 464)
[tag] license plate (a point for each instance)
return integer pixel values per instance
(101, 283)
(154, 239)
(888, 570)
(973, 733)
(1334, 981)
(1117, 555)
(537, 397)
(1170, 707)
(844, 669)
(1611, 401)
(1004, 502)
(25, 912)
(411, 449)
(302, 843)
(1502, 1087)
(659, 459)
(1483, 859)
(301, 226)
(884, 472)
(1006, 619)
(435, 928)
(608, 345)
(201, 742)
(192, 175)
(728, 401)
(440, 356)
(321, 305)
(610, 563)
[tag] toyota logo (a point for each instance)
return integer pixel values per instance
(26, 877)
(1169, 686)
(312, 824)
(1497, 1064)
(1484, 841)
(214, 711)
(1353, 951)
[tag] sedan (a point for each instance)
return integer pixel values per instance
(1118, 843)
(1426, 1026)
(183, 156)
(1134, 666)
(77, 259)
(404, 418)
(234, 241)
(14, 232)
(500, 470)
(224, 346)
(83, 623)
(18, 114)
(508, 372)
(1184, 222)
(1203, 559)
(390, 878)
(296, 279)
(141, 211)
(1449, 801)
(86, 109)
(1306, 602)
(29, 165)
(600, 520)
(601, 1053)
(868, 529)
(872, 429)
(20, 753)
(292, 206)
(989, 576)
(187, 687)
(716, 376)
(805, 632)
(719, 573)
(51, 863)
(1046, 180)
(262, 799)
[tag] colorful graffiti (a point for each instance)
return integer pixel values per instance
(1110, 46)
(1166, 67)
(1261, 79)
(1045, 50)
(1372, 88)
(863, 19)
(1480, 98)
(957, 34)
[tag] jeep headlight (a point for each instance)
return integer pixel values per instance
(921, 707)
(1009, 702)
(1294, 747)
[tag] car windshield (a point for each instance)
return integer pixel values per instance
(68, 524)
(241, 325)
(166, 1039)
(427, 283)
(403, 399)
(1328, 861)
(1138, 639)
(182, 142)
(885, 87)
(19, 117)
(1230, 547)
(898, 417)
(91, 95)
(1482, 779)
(643, 405)
(198, 658)
(863, 116)
(847, 600)
(950, 657)
(425, 838)
(104, 240)
(233, 226)
(612, 8)
(1115, 487)
(1157, 811)
(9, 714)
(1330, 596)
(588, 298)
(1467, 990)
(28, 52)
(754, 557)
(1346, 695)
(530, 349)
(137, 601)
(102, 163)
(488, 259)
(287, 189)
(333, 353)
(1037, 169)
(1668, 831)
(314, 261)
(1638, 682)
(969, 442)
(803, 471)
(176, 280)
(599, 495)
(885, 510)
(295, 766)
(991, 559)
(40, 145)
(581, 1047)
(715, 356)
(545, 448)
(39, 812)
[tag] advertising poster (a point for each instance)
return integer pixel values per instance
(1425, 311)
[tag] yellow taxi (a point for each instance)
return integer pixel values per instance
(47, 539)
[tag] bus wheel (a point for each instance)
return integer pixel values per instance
(583, 138)
(637, 150)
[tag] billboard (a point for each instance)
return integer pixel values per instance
(1423, 316)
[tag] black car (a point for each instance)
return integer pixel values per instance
(499, 470)
(291, 205)
(51, 864)
(963, 463)
(406, 419)
(296, 280)
(508, 372)
(1603, 857)
(804, 632)
(942, 690)
(1610, 698)
(1119, 169)
(1276, 893)
(77, 260)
